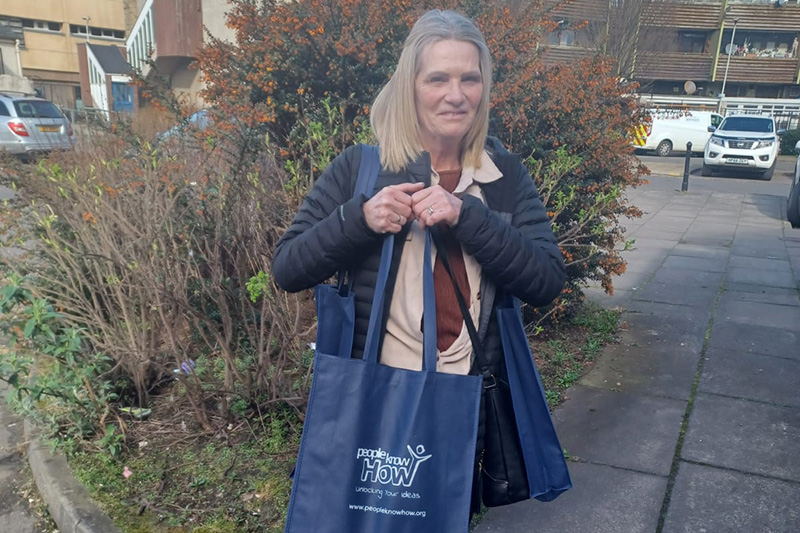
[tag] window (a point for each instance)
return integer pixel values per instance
(715, 120)
(41, 25)
(36, 109)
(692, 42)
(106, 33)
(4, 110)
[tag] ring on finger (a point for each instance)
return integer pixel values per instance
(399, 218)
(430, 210)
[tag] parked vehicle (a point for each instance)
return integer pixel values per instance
(672, 129)
(743, 142)
(31, 125)
(793, 202)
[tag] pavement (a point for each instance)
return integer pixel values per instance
(15, 514)
(691, 423)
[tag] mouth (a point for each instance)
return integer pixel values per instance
(453, 114)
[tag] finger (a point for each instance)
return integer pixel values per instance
(408, 188)
(402, 197)
(421, 195)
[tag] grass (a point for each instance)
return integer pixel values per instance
(239, 482)
(563, 353)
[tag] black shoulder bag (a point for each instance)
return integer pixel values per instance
(502, 471)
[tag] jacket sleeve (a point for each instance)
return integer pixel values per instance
(521, 257)
(328, 230)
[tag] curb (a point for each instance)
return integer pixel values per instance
(68, 501)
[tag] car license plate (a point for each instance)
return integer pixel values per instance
(738, 161)
(49, 129)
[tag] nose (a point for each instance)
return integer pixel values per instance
(455, 93)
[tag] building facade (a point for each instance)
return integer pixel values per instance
(49, 32)
(167, 34)
(680, 47)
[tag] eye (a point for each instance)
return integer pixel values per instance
(472, 78)
(437, 78)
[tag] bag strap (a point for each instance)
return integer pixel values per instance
(429, 352)
(477, 347)
(365, 183)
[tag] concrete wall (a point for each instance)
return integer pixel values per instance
(9, 56)
(214, 19)
(15, 83)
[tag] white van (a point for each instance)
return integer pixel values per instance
(672, 129)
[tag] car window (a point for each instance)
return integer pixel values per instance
(715, 120)
(4, 110)
(755, 124)
(36, 109)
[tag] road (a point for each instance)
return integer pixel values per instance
(668, 171)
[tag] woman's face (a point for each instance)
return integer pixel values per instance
(448, 90)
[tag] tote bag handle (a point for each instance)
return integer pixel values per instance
(365, 183)
(428, 306)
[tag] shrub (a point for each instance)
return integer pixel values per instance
(788, 141)
(160, 259)
(293, 58)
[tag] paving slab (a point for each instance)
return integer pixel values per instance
(769, 278)
(704, 239)
(677, 293)
(743, 435)
(695, 278)
(707, 499)
(633, 366)
(625, 430)
(620, 298)
(706, 264)
(755, 339)
(762, 250)
(760, 314)
(751, 376)
(760, 264)
(603, 500)
(761, 294)
(695, 250)
(694, 319)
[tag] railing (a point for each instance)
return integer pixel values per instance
(758, 69)
(141, 40)
(674, 66)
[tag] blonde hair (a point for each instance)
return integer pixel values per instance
(394, 115)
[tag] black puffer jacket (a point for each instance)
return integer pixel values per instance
(510, 236)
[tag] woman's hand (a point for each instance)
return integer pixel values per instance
(390, 209)
(435, 205)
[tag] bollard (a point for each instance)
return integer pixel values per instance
(685, 184)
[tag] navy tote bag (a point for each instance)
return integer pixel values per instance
(386, 449)
(545, 465)
(336, 312)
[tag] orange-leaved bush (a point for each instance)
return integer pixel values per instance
(310, 70)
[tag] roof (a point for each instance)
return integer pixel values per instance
(110, 58)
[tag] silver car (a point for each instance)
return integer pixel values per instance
(31, 125)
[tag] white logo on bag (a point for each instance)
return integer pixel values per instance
(380, 467)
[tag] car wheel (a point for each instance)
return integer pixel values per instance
(707, 170)
(793, 205)
(664, 148)
(767, 175)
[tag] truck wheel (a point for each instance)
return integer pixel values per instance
(707, 170)
(767, 175)
(664, 148)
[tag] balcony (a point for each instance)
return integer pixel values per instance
(577, 10)
(758, 69)
(764, 17)
(688, 15)
(553, 55)
(170, 32)
(674, 66)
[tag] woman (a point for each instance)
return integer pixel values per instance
(438, 168)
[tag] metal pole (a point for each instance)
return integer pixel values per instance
(687, 163)
(87, 19)
(727, 64)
